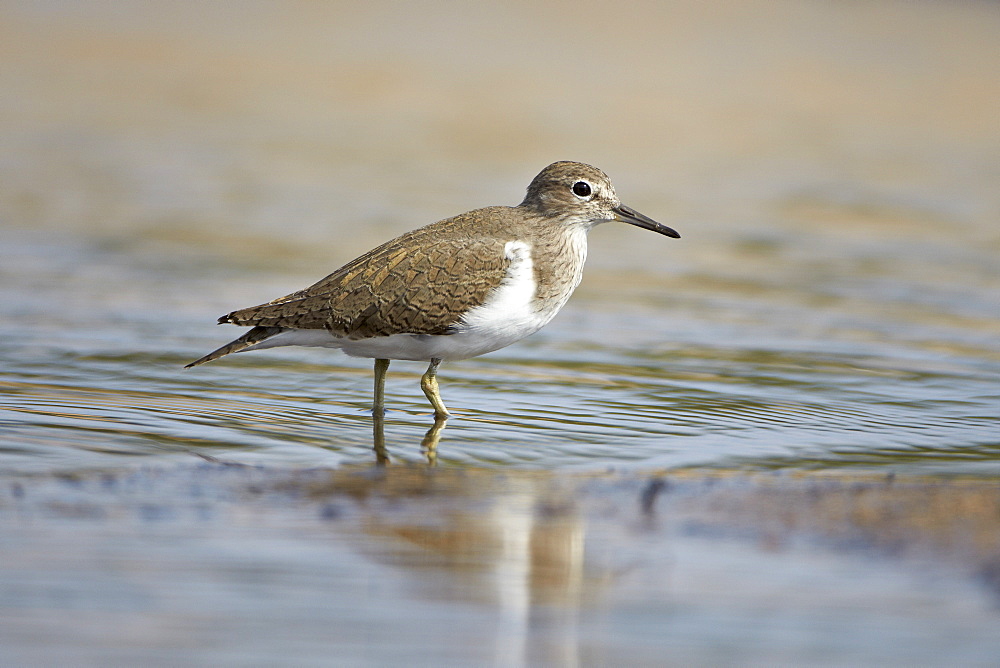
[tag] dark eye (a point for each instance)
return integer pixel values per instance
(581, 189)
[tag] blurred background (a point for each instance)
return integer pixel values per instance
(832, 168)
(833, 305)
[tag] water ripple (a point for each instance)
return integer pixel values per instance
(723, 408)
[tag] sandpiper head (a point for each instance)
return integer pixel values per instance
(579, 194)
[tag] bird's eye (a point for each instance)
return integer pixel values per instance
(581, 189)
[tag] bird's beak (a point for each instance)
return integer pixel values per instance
(626, 215)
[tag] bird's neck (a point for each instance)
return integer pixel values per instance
(558, 254)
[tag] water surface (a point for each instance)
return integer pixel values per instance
(833, 306)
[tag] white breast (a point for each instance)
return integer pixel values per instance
(507, 315)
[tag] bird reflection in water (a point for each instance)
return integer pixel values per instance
(513, 547)
(428, 446)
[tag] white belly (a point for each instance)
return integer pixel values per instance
(508, 315)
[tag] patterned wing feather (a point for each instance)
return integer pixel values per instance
(419, 283)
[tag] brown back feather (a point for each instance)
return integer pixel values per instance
(418, 283)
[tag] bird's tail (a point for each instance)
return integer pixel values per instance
(254, 336)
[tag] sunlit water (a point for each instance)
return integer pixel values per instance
(647, 370)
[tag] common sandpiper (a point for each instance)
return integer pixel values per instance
(455, 289)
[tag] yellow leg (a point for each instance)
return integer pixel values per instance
(429, 384)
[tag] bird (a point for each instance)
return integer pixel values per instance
(458, 288)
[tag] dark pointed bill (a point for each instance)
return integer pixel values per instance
(633, 217)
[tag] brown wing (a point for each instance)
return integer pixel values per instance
(419, 283)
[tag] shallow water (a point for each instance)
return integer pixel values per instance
(833, 303)
(627, 376)
(233, 565)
